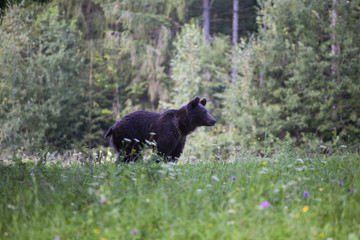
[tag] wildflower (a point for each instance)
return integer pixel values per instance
(264, 205)
(320, 189)
(233, 177)
(254, 142)
(57, 238)
(340, 183)
(134, 231)
(215, 178)
(248, 136)
(234, 129)
(231, 211)
(305, 209)
(305, 194)
(232, 200)
(97, 231)
(134, 150)
(352, 190)
(224, 183)
(263, 163)
(102, 200)
(258, 138)
(321, 234)
(237, 189)
(210, 225)
(286, 31)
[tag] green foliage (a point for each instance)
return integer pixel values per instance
(307, 197)
(198, 69)
(40, 78)
(138, 41)
(286, 89)
(69, 69)
(5, 4)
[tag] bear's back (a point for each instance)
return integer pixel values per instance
(137, 125)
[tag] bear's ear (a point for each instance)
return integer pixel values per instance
(194, 102)
(203, 101)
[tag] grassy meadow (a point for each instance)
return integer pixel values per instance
(287, 196)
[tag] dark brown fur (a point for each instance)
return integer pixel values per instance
(168, 129)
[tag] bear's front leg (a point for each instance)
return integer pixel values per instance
(165, 146)
(176, 153)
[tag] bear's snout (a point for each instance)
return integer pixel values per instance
(210, 120)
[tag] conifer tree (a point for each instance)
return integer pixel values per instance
(288, 92)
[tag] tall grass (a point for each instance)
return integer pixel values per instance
(283, 197)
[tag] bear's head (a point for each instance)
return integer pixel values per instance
(198, 113)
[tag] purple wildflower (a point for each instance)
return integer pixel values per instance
(233, 177)
(305, 194)
(352, 190)
(57, 238)
(102, 200)
(134, 231)
(264, 205)
(340, 183)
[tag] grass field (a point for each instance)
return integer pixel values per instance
(287, 196)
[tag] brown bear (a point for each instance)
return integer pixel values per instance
(167, 131)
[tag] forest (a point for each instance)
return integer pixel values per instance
(277, 73)
(281, 78)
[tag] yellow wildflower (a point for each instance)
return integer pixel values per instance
(97, 231)
(306, 208)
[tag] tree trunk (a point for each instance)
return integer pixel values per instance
(206, 21)
(235, 27)
(90, 94)
(206, 30)
(335, 46)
